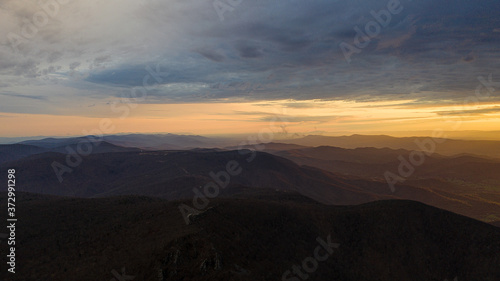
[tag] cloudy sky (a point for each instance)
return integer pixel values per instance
(229, 66)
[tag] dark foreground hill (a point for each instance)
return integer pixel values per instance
(258, 238)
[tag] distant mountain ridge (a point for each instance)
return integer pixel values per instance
(144, 141)
(488, 148)
(448, 147)
(12, 152)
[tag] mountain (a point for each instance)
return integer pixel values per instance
(174, 174)
(373, 162)
(97, 147)
(160, 141)
(443, 146)
(179, 174)
(53, 142)
(487, 148)
(468, 179)
(266, 238)
(11, 152)
(270, 146)
(143, 141)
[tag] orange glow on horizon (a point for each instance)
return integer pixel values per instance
(304, 117)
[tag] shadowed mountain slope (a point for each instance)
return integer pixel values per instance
(176, 174)
(247, 239)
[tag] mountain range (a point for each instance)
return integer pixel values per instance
(115, 207)
(467, 185)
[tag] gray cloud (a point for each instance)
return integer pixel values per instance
(210, 54)
(263, 50)
(247, 50)
(74, 65)
(15, 95)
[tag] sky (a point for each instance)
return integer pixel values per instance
(235, 66)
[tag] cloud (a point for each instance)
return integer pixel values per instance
(470, 57)
(263, 51)
(303, 118)
(100, 61)
(41, 98)
(481, 111)
(247, 50)
(74, 65)
(210, 54)
(301, 105)
(269, 117)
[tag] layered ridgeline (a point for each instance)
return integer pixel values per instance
(442, 145)
(439, 144)
(466, 185)
(472, 180)
(268, 235)
(135, 213)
